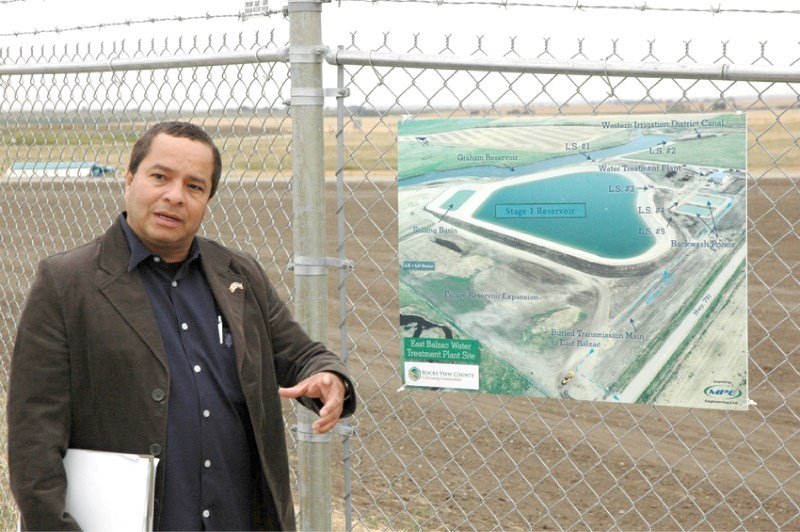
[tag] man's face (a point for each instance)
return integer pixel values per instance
(167, 197)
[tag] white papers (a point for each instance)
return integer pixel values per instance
(110, 491)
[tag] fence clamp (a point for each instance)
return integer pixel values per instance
(318, 265)
(309, 96)
(306, 433)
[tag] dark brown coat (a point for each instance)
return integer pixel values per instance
(89, 371)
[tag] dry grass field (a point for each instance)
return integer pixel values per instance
(258, 145)
(431, 458)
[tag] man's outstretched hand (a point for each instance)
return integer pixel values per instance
(326, 386)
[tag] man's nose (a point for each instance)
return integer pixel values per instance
(174, 193)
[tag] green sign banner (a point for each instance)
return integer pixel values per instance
(442, 350)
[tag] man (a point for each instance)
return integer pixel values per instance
(151, 340)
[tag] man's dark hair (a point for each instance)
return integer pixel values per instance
(184, 130)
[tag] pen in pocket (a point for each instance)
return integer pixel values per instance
(219, 327)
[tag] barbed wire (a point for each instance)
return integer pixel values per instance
(128, 22)
(578, 6)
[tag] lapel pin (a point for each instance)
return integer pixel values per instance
(235, 286)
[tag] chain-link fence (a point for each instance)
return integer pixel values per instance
(427, 459)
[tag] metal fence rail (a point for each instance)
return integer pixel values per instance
(433, 460)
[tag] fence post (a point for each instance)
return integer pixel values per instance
(308, 218)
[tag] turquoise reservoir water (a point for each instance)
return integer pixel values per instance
(695, 210)
(457, 200)
(704, 199)
(595, 212)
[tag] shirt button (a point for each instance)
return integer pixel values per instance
(174, 284)
(184, 326)
(158, 394)
(206, 413)
(197, 369)
(207, 463)
(206, 513)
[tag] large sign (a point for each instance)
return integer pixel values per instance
(586, 257)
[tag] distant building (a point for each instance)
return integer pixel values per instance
(44, 170)
(718, 177)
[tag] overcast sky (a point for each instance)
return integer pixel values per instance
(531, 25)
(425, 27)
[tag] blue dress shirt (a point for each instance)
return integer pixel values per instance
(210, 463)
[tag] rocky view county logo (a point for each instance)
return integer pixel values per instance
(723, 390)
(414, 373)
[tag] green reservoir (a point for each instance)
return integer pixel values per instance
(595, 212)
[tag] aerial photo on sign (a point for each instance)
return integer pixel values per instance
(596, 258)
